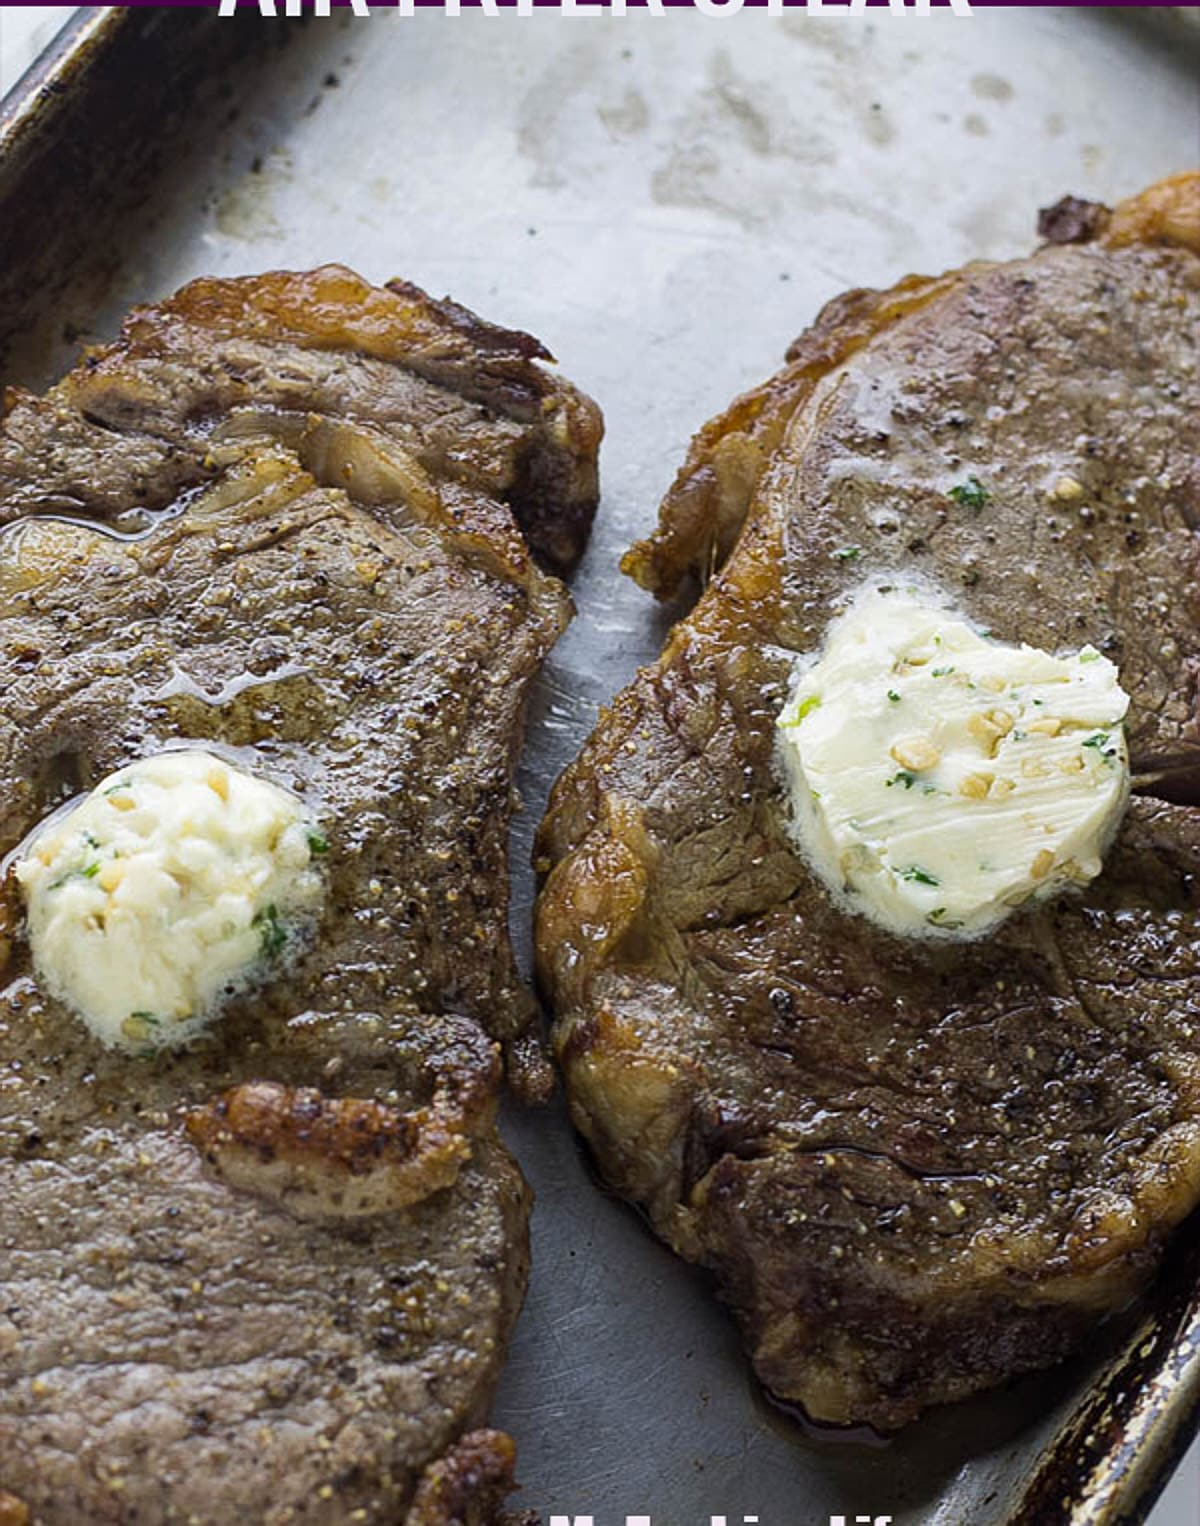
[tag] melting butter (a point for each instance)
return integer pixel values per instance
(179, 881)
(939, 779)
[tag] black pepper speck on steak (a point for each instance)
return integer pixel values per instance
(916, 1168)
(272, 1278)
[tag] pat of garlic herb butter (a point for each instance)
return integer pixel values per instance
(939, 779)
(178, 882)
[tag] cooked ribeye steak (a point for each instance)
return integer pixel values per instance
(449, 430)
(915, 1167)
(271, 1277)
(182, 1338)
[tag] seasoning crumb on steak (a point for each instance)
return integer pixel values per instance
(916, 1169)
(468, 1486)
(1071, 220)
(272, 1277)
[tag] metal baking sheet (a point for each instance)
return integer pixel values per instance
(666, 202)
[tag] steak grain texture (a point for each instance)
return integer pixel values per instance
(916, 1168)
(272, 1278)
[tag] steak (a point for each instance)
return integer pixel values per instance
(272, 1276)
(195, 380)
(916, 1168)
(446, 429)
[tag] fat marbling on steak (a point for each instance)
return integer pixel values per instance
(916, 1168)
(272, 1278)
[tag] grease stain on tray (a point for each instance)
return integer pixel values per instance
(877, 125)
(734, 100)
(542, 117)
(839, 42)
(991, 87)
(752, 117)
(246, 210)
(628, 116)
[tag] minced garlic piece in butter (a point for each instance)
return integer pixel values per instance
(178, 882)
(940, 779)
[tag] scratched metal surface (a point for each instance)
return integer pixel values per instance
(666, 202)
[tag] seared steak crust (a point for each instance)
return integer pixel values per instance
(916, 1168)
(468, 1486)
(191, 381)
(272, 1278)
